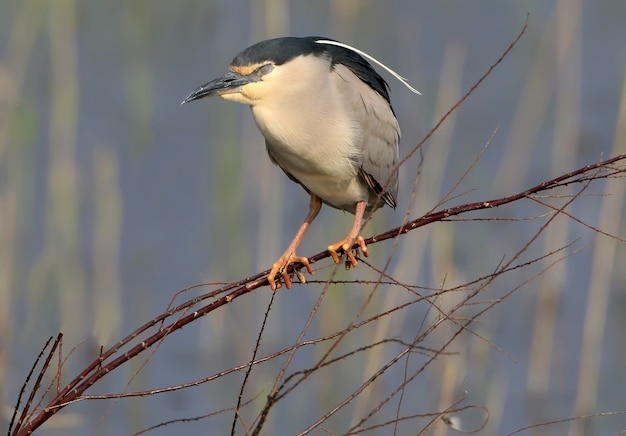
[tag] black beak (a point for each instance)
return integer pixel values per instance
(229, 83)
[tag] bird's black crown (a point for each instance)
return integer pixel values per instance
(282, 50)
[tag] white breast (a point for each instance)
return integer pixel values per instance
(315, 139)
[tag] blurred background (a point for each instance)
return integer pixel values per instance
(113, 197)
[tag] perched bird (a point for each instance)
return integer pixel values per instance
(328, 124)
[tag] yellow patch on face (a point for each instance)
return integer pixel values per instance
(250, 92)
(245, 70)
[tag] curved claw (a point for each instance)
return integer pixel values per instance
(346, 246)
(279, 268)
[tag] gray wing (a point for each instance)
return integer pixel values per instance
(380, 135)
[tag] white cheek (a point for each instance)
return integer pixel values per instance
(237, 97)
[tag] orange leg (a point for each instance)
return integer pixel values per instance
(289, 256)
(354, 236)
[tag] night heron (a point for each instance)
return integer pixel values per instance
(328, 124)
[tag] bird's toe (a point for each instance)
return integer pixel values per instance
(280, 270)
(351, 253)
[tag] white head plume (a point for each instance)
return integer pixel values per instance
(371, 58)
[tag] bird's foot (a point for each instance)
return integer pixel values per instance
(346, 246)
(279, 269)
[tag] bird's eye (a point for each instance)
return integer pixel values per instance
(265, 69)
